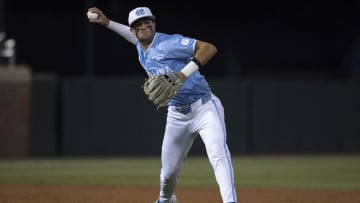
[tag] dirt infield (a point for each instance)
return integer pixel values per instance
(110, 194)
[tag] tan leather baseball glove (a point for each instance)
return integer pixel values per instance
(160, 89)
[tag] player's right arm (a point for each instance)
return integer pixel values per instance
(121, 29)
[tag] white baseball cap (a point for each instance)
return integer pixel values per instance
(138, 13)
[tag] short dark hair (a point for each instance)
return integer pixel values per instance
(142, 19)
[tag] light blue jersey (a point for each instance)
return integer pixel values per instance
(171, 53)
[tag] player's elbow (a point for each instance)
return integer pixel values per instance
(212, 49)
(206, 47)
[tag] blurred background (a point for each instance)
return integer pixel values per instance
(252, 37)
(287, 73)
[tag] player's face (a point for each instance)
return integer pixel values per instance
(144, 29)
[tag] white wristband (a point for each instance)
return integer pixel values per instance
(190, 68)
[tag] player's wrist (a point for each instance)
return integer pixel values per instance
(196, 61)
(181, 76)
(110, 24)
(191, 67)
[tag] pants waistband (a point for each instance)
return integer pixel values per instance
(188, 108)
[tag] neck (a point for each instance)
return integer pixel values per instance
(145, 43)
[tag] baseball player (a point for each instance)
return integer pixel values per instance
(194, 111)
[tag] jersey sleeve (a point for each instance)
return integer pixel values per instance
(179, 46)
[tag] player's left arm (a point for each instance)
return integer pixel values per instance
(204, 52)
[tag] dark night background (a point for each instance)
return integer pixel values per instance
(253, 37)
(289, 73)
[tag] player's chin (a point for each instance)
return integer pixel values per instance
(146, 34)
(145, 38)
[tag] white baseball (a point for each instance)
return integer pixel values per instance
(92, 15)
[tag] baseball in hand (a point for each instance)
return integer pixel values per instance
(92, 15)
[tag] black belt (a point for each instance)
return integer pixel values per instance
(187, 109)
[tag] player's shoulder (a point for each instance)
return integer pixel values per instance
(163, 36)
(175, 38)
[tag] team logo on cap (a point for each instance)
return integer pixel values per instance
(140, 12)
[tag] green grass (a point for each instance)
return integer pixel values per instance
(316, 172)
(336, 172)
